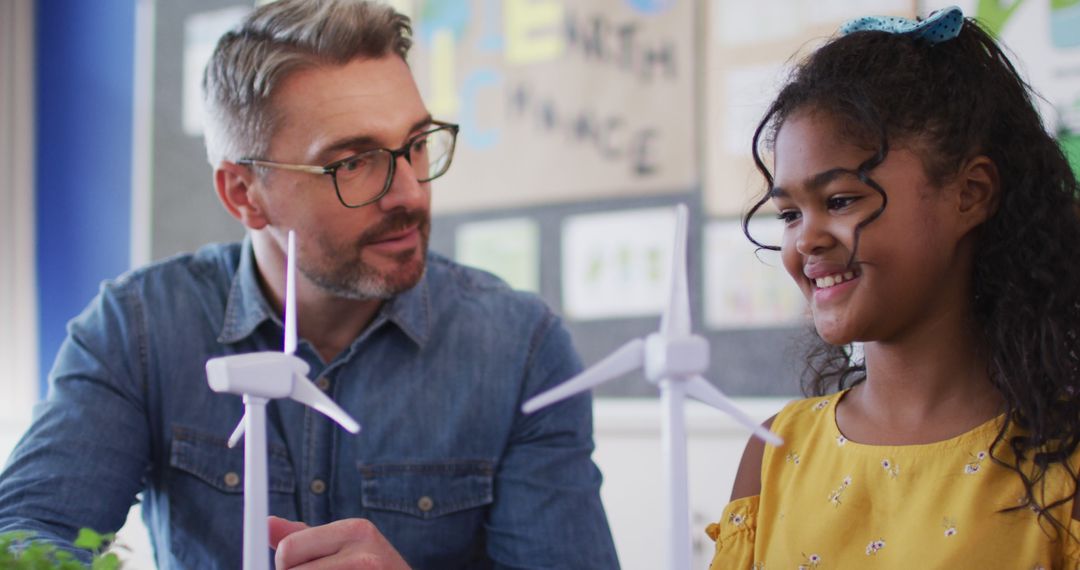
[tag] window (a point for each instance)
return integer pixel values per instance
(18, 306)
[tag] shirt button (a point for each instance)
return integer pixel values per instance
(232, 479)
(425, 504)
(318, 486)
(323, 383)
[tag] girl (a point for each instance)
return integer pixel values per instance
(930, 216)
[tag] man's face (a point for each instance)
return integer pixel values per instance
(328, 113)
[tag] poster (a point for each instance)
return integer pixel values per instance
(559, 100)
(744, 288)
(509, 248)
(617, 264)
(749, 50)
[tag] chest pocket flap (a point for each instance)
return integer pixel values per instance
(427, 490)
(209, 458)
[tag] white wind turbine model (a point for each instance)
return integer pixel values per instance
(260, 377)
(674, 359)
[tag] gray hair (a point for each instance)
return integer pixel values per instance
(272, 42)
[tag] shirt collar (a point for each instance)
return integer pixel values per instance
(247, 307)
(410, 311)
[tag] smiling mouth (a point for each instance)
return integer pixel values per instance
(835, 279)
(396, 236)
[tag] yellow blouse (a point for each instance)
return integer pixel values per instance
(827, 502)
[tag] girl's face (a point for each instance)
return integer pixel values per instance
(908, 270)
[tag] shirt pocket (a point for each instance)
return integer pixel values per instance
(427, 490)
(208, 458)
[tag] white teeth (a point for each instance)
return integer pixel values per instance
(832, 280)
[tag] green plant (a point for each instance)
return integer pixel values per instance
(19, 552)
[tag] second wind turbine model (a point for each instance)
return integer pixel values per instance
(674, 359)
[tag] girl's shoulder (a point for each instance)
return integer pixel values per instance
(799, 422)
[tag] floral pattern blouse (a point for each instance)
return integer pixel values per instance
(827, 502)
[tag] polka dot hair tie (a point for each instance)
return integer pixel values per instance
(941, 26)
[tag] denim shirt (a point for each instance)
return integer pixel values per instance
(446, 465)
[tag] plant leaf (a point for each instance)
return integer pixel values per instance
(88, 539)
(109, 561)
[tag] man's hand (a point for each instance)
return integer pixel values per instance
(350, 543)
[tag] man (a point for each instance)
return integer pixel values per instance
(434, 359)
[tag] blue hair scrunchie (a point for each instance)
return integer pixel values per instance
(941, 26)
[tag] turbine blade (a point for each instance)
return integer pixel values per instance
(626, 358)
(701, 389)
(306, 393)
(676, 319)
(238, 432)
(290, 296)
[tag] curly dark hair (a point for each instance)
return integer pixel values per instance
(952, 101)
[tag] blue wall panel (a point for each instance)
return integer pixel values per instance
(84, 68)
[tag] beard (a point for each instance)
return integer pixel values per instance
(347, 275)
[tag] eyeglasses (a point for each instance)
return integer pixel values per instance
(364, 178)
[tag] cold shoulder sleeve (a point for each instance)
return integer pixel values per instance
(734, 535)
(1072, 546)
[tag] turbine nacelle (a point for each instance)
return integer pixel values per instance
(270, 375)
(679, 357)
